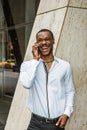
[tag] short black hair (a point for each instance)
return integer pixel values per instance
(45, 30)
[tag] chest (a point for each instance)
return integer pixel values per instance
(55, 75)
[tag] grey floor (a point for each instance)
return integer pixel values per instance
(4, 110)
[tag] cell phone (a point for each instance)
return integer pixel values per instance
(38, 51)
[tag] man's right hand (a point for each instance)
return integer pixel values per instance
(62, 121)
(35, 53)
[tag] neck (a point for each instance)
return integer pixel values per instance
(48, 59)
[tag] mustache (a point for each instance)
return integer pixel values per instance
(46, 45)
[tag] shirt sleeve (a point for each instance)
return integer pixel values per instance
(70, 92)
(28, 72)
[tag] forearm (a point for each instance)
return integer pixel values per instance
(69, 103)
(28, 73)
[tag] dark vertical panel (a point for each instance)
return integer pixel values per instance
(36, 5)
(12, 33)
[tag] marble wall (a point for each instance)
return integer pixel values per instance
(68, 21)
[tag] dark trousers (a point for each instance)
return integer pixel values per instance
(37, 124)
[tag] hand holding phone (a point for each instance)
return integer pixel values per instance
(35, 51)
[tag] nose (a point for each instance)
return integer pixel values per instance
(43, 41)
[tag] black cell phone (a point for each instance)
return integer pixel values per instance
(38, 51)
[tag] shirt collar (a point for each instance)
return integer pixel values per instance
(55, 59)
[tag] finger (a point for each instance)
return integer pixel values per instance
(34, 48)
(58, 122)
(37, 44)
(62, 125)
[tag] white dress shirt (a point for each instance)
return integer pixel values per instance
(60, 87)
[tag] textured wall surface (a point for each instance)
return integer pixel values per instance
(73, 48)
(68, 21)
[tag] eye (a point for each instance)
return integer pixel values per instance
(47, 39)
(39, 40)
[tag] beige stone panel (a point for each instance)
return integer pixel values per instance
(73, 48)
(78, 3)
(53, 21)
(48, 5)
(19, 115)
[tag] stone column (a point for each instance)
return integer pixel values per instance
(68, 21)
(72, 46)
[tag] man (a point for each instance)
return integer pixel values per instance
(51, 89)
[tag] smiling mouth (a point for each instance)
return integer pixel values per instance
(44, 48)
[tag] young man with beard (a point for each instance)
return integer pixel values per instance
(51, 89)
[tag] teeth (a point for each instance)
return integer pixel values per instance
(44, 47)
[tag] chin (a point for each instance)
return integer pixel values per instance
(45, 54)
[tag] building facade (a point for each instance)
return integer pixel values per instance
(16, 21)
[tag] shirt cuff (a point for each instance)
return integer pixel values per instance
(68, 111)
